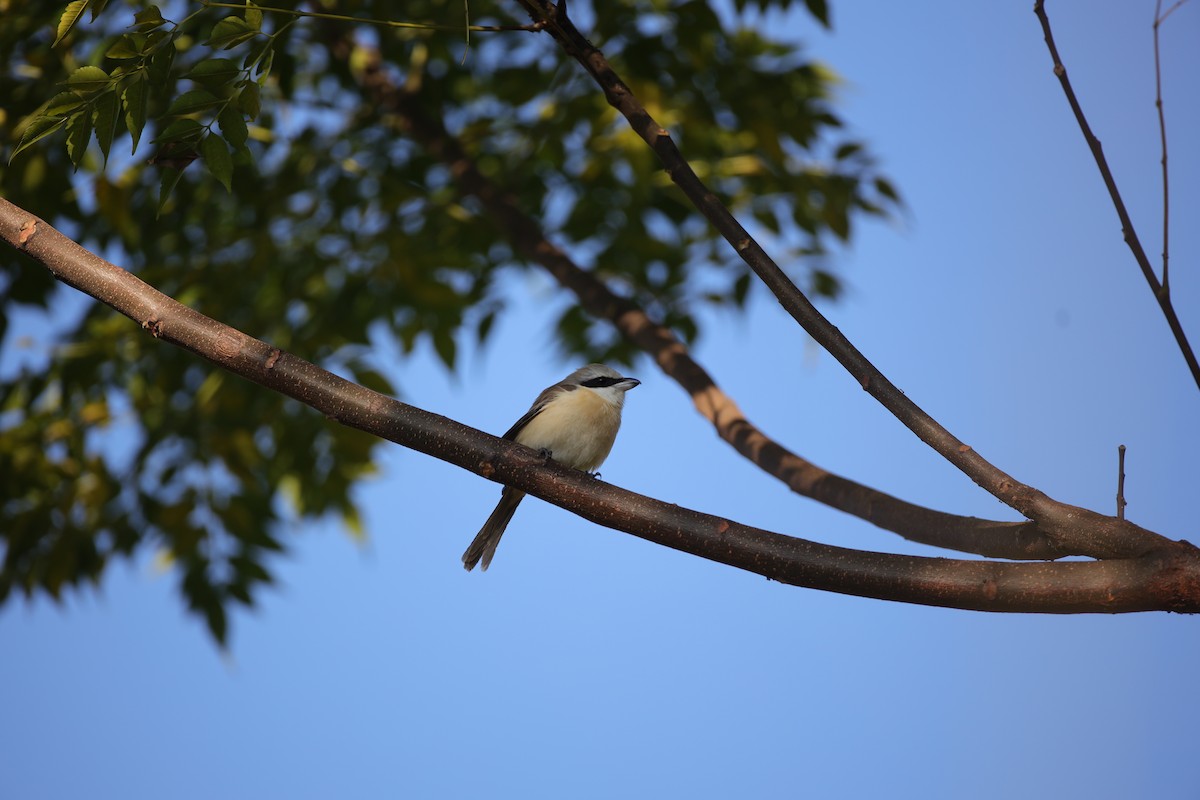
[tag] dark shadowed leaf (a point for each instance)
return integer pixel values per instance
(193, 101)
(134, 100)
(216, 155)
(107, 119)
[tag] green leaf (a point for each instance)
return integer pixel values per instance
(79, 134)
(214, 71)
(170, 178)
(249, 570)
(819, 9)
(148, 19)
(107, 115)
(97, 7)
(230, 32)
(249, 100)
(445, 346)
(254, 16)
(69, 18)
(129, 46)
(233, 125)
(218, 622)
(134, 99)
(741, 287)
(352, 519)
(846, 150)
(484, 327)
(89, 80)
(825, 284)
(63, 104)
(885, 188)
(39, 128)
(181, 130)
(160, 64)
(193, 101)
(263, 68)
(220, 163)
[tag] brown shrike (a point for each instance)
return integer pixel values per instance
(576, 422)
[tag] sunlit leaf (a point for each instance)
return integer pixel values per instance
(89, 80)
(253, 15)
(230, 32)
(127, 47)
(148, 19)
(70, 16)
(38, 129)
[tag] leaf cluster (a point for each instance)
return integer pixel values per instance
(265, 187)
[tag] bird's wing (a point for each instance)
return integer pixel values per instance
(538, 406)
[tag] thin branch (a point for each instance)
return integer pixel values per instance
(1131, 238)
(1170, 10)
(995, 539)
(1166, 579)
(1055, 519)
(1121, 482)
(1162, 135)
(1159, 19)
(383, 23)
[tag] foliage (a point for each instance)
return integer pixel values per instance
(234, 160)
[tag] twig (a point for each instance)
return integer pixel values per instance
(1055, 518)
(1162, 135)
(1167, 579)
(1121, 482)
(1159, 19)
(1127, 229)
(383, 23)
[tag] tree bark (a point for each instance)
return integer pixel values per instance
(1165, 578)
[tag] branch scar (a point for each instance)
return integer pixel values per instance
(227, 345)
(26, 232)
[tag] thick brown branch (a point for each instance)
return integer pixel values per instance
(1107, 536)
(1130, 234)
(1167, 579)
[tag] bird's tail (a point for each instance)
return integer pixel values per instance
(483, 546)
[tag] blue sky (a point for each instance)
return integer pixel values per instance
(587, 663)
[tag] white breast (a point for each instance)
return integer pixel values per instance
(578, 428)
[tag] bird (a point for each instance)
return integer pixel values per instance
(575, 422)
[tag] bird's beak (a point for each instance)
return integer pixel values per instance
(629, 383)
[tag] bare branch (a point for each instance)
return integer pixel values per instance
(1165, 579)
(995, 539)
(1121, 482)
(1162, 135)
(1161, 294)
(1170, 10)
(1056, 519)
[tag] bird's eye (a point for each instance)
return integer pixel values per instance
(599, 383)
